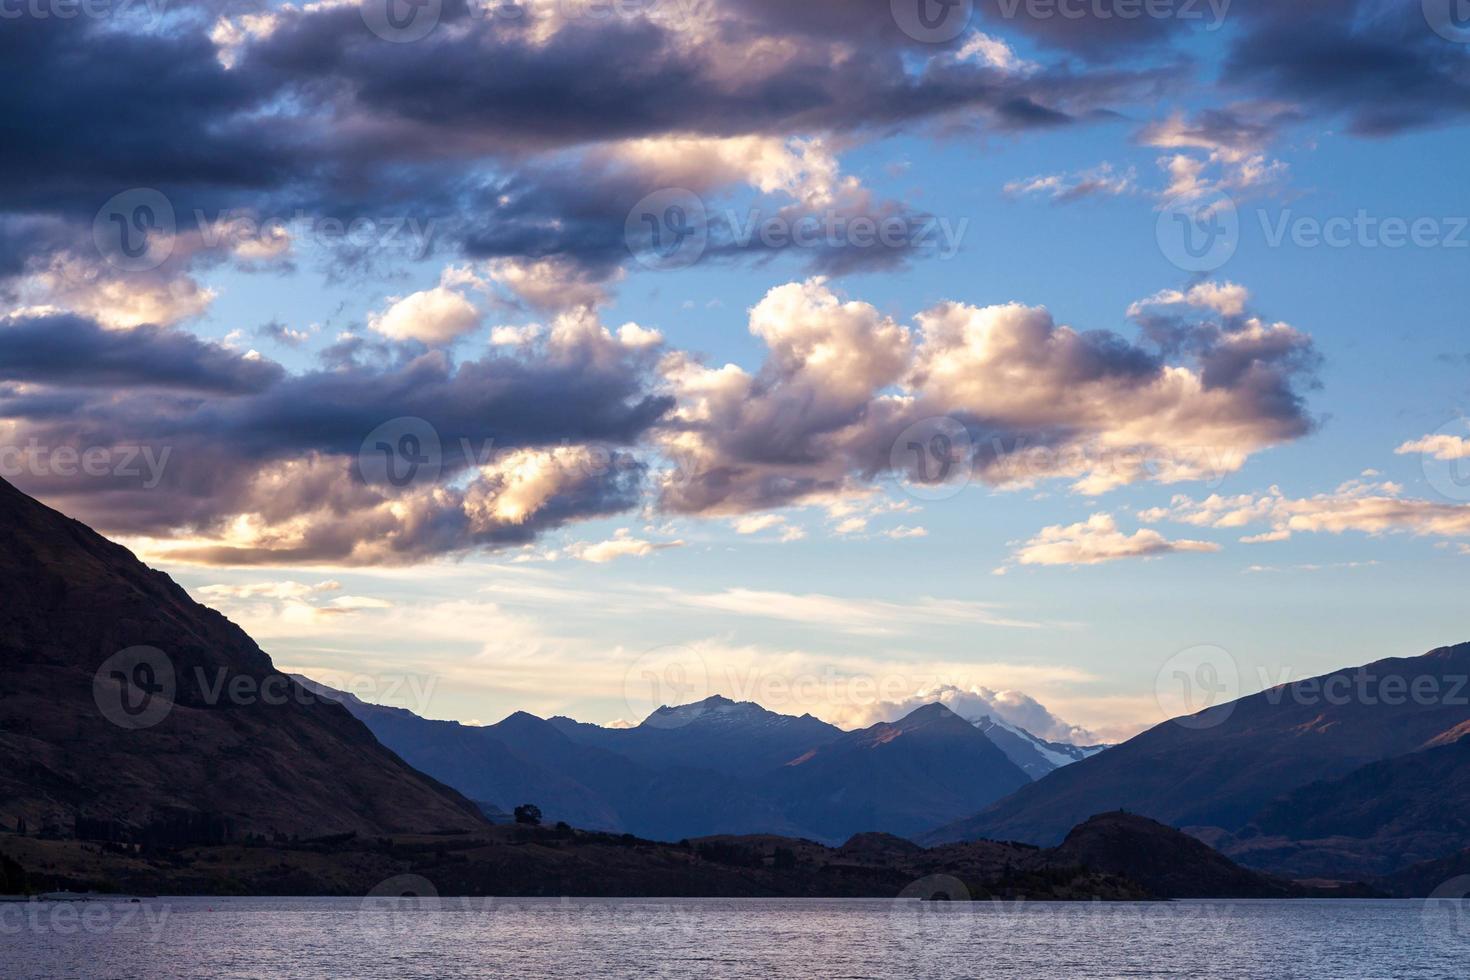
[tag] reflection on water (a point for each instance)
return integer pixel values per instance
(391, 937)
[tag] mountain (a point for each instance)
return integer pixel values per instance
(1227, 764)
(901, 777)
(709, 768)
(1036, 756)
(93, 740)
(737, 738)
(1373, 821)
(525, 759)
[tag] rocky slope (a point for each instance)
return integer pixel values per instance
(191, 736)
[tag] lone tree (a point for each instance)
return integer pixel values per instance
(529, 813)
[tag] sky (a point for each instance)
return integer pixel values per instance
(1082, 363)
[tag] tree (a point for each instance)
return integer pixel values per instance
(529, 813)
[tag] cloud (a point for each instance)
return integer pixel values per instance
(1441, 446)
(1098, 540)
(73, 351)
(435, 316)
(867, 616)
(1064, 188)
(260, 466)
(977, 702)
(1362, 506)
(621, 545)
(1035, 399)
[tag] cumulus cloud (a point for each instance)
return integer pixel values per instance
(434, 316)
(1097, 540)
(976, 702)
(1035, 399)
(256, 465)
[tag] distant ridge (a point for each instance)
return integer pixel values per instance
(1223, 780)
(715, 766)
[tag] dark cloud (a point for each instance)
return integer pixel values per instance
(1380, 65)
(63, 349)
(516, 445)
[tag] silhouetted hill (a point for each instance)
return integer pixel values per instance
(236, 749)
(517, 860)
(1167, 862)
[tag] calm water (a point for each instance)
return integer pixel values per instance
(402, 938)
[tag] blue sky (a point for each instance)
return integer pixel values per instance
(799, 562)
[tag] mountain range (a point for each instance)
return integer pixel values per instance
(134, 717)
(713, 767)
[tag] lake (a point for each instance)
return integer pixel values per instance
(452, 937)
